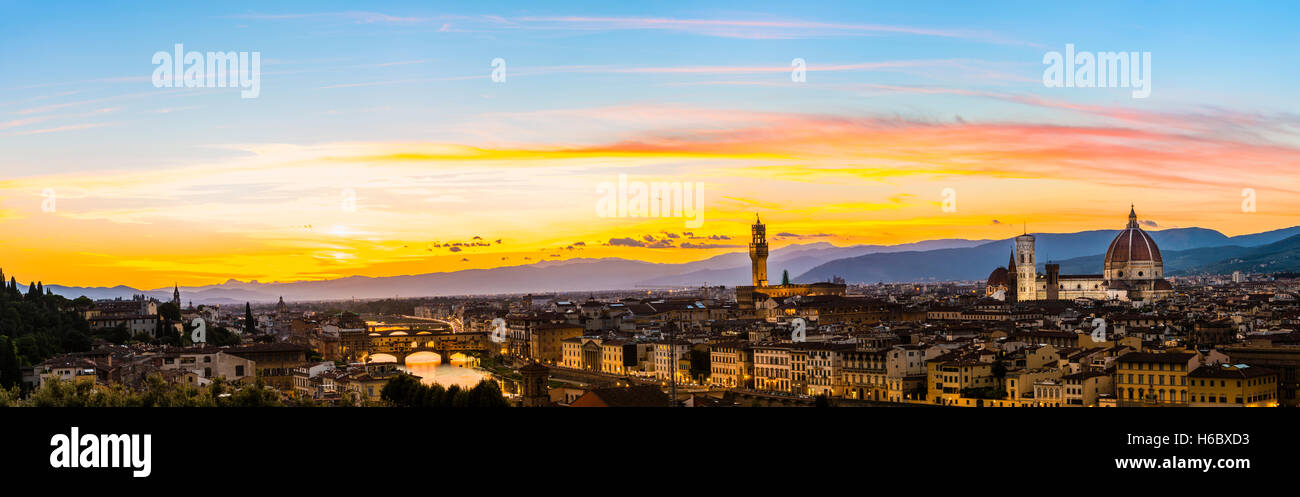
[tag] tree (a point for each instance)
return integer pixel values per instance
(220, 336)
(487, 394)
(256, 395)
(397, 391)
(170, 311)
(449, 397)
(250, 326)
(10, 374)
(433, 396)
(118, 334)
(785, 277)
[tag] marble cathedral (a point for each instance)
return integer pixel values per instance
(1133, 271)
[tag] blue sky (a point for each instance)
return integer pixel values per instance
(901, 99)
(1215, 53)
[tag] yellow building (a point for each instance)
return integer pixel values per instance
(1086, 388)
(582, 353)
(1154, 379)
(905, 373)
(366, 384)
(66, 368)
(948, 375)
(1284, 359)
(825, 368)
(1020, 383)
(772, 368)
(731, 364)
(1233, 386)
(612, 357)
(545, 343)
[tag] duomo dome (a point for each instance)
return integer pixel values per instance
(1133, 255)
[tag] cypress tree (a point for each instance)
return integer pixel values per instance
(250, 327)
(10, 374)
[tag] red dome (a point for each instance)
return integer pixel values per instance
(998, 278)
(1133, 245)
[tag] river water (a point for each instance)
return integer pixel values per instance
(433, 371)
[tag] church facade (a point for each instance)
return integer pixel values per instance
(1133, 271)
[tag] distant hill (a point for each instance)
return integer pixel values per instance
(797, 259)
(1280, 256)
(1188, 249)
(549, 276)
(1078, 253)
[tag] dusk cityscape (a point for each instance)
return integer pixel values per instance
(929, 210)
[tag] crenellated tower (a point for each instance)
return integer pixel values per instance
(758, 252)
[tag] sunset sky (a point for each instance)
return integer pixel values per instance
(395, 101)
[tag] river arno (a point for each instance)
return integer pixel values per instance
(432, 371)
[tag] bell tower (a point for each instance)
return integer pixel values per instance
(535, 388)
(1026, 268)
(758, 252)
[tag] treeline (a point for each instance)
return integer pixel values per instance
(35, 326)
(155, 392)
(405, 390)
(384, 306)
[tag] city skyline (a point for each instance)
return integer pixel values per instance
(396, 111)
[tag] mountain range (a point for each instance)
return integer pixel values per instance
(1185, 250)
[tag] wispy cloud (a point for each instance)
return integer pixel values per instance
(756, 29)
(70, 127)
(760, 29)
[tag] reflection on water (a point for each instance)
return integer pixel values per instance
(459, 372)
